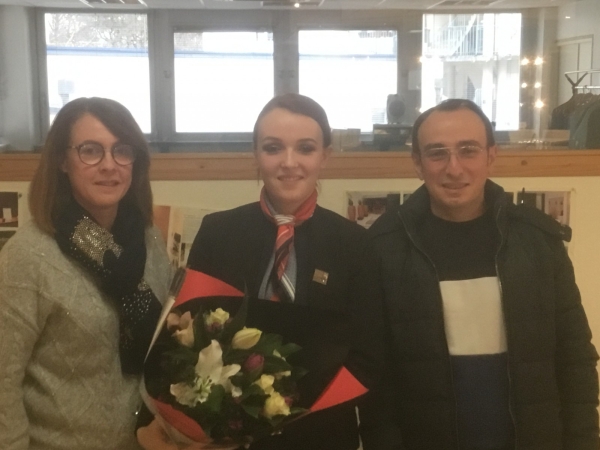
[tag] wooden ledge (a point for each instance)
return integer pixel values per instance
(351, 165)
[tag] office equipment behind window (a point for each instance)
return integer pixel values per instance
(393, 133)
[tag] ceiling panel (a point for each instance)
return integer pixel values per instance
(326, 4)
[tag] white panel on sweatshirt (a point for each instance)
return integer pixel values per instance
(473, 316)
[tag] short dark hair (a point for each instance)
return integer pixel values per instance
(50, 189)
(298, 104)
(453, 104)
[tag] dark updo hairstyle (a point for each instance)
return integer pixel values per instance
(298, 104)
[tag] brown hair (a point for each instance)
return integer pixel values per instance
(453, 104)
(298, 104)
(50, 189)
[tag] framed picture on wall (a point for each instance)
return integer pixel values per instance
(556, 204)
(364, 208)
(9, 209)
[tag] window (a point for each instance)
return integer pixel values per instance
(473, 56)
(222, 80)
(99, 55)
(350, 73)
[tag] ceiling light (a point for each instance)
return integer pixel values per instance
(539, 61)
(524, 85)
(524, 61)
(537, 85)
(113, 2)
(567, 17)
(539, 104)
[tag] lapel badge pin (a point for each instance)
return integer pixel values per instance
(320, 276)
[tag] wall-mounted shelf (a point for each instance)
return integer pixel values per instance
(351, 165)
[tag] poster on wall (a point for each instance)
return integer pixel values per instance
(9, 209)
(557, 204)
(365, 208)
(178, 226)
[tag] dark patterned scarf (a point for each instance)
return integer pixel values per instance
(118, 259)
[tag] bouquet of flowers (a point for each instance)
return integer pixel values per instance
(227, 368)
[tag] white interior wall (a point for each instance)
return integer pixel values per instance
(582, 22)
(585, 212)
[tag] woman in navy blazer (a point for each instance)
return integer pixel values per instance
(285, 247)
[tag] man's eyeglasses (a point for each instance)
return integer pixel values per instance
(91, 153)
(462, 153)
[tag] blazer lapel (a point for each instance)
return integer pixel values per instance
(314, 242)
(302, 247)
(259, 239)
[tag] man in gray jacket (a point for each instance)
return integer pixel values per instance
(489, 345)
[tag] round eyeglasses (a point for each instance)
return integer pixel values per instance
(91, 153)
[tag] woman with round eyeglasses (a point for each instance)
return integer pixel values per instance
(81, 287)
(287, 248)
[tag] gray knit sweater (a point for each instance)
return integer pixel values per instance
(61, 386)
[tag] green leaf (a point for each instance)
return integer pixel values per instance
(237, 322)
(274, 364)
(236, 356)
(289, 348)
(213, 402)
(298, 372)
(297, 410)
(268, 343)
(253, 411)
(255, 374)
(237, 379)
(253, 389)
(178, 364)
(201, 338)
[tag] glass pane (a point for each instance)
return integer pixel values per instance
(222, 80)
(350, 73)
(477, 57)
(99, 55)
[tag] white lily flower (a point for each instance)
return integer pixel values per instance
(184, 394)
(210, 366)
(236, 391)
(209, 372)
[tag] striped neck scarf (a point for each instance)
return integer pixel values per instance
(281, 285)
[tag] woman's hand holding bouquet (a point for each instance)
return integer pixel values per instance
(154, 437)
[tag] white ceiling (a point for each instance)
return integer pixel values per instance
(439, 5)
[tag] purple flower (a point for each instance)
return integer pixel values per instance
(235, 425)
(254, 362)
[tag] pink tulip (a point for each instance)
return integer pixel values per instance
(253, 362)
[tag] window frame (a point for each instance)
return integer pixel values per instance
(366, 136)
(204, 136)
(42, 67)
(198, 22)
(285, 26)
